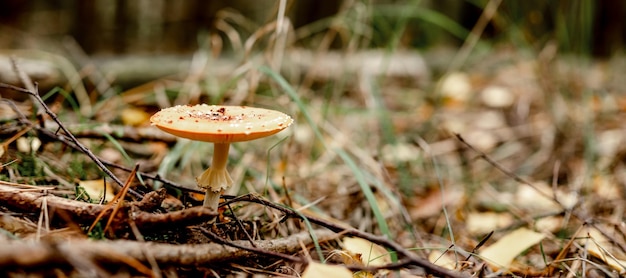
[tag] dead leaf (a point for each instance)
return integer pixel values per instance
(606, 187)
(134, 116)
(485, 222)
(369, 253)
(93, 188)
(538, 198)
(497, 97)
(600, 247)
(433, 202)
(316, 270)
(399, 153)
(549, 224)
(442, 259)
(481, 139)
(609, 142)
(502, 253)
(489, 120)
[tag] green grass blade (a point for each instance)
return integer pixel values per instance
(117, 145)
(171, 158)
(267, 176)
(427, 15)
(70, 99)
(316, 243)
(291, 92)
(369, 196)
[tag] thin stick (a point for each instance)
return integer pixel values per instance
(252, 248)
(414, 259)
(240, 224)
(581, 215)
(80, 146)
(506, 171)
(26, 81)
(115, 203)
(156, 270)
(144, 175)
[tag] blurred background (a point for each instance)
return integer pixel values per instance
(167, 26)
(125, 37)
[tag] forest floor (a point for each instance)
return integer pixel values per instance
(512, 164)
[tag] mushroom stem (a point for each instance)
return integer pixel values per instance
(220, 155)
(216, 178)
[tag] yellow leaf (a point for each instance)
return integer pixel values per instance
(134, 116)
(316, 270)
(442, 259)
(501, 254)
(370, 253)
(530, 199)
(94, 189)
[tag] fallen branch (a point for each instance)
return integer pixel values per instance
(25, 254)
(84, 213)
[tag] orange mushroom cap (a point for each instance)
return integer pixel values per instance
(220, 124)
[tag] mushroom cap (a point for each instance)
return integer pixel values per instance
(219, 123)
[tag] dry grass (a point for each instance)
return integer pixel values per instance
(373, 148)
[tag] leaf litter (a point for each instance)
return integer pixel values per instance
(541, 165)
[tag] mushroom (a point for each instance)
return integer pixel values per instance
(220, 125)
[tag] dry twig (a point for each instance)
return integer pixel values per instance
(32, 201)
(23, 254)
(72, 138)
(581, 214)
(346, 230)
(68, 142)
